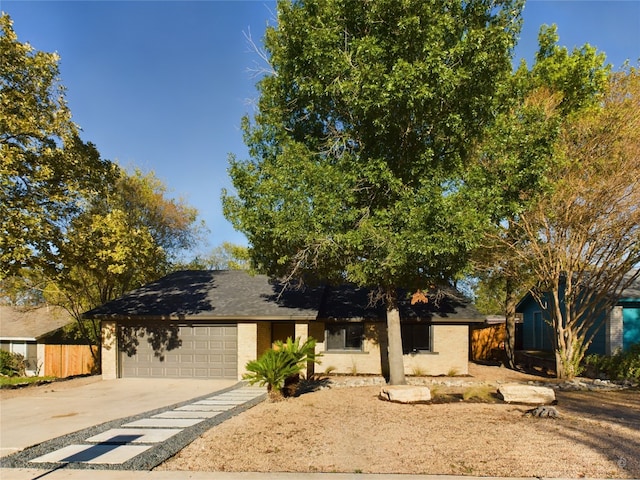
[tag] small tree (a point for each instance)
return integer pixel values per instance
(226, 256)
(581, 240)
(122, 240)
(517, 160)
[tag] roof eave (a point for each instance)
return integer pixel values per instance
(202, 318)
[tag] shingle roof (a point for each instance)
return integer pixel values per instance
(31, 323)
(222, 294)
(351, 302)
(204, 294)
(632, 291)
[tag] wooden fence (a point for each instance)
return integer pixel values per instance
(67, 360)
(487, 342)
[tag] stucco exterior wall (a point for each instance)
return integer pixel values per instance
(451, 351)
(450, 354)
(247, 345)
(109, 350)
(42, 360)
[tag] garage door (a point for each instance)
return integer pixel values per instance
(195, 351)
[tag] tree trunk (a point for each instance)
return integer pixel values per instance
(394, 334)
(510, 316)
(560, 372)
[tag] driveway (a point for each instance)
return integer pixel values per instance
(36, 414)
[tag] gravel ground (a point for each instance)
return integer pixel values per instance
(145, 461)
(346, 428)
(351, 430)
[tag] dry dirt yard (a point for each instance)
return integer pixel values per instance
(352, 430)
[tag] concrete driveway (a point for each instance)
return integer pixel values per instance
(42, 413)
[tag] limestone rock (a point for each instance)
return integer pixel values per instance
(530, 394)
(405, 393)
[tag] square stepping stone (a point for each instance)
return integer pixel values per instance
(234, 398)
(204, 408)
(186, 414)
(164, 422)
(134, 435)
(215, 401)
(112, 454)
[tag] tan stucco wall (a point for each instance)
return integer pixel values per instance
(450, 345)
(450, 354)
(247, 345)
(450, 357)
(109, 350)
(42, 359)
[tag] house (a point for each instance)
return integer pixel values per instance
(620, 326)
(35, 333)
(209, 324)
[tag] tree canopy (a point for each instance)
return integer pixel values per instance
(517, 161)
(581, 239)
(45, 168)
(75, 230)
(362, 134)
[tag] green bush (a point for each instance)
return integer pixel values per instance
(12, 364)
(279, 368)
(620, 366)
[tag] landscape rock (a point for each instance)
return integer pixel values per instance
(542, 412)
(529, 394)
(405, 393)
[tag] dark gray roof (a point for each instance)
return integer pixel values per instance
(218, 294)
(351, 302)
(211, 294)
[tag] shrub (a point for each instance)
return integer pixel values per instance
(619, 366)
(12, 364)
(483, 393)
(279, 368)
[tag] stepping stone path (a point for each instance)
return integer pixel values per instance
(119, 445)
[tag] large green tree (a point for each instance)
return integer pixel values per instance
(518, 161)
(46, 170)
(362, 134)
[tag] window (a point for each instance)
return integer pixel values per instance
(345, 336)
(416, 337)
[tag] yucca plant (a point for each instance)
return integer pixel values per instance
(279, 368)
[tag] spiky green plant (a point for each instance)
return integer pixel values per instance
(280, 367)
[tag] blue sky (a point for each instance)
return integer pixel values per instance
(162, 85)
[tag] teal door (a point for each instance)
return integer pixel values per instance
(630, 326)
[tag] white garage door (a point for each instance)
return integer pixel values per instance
(183, 351)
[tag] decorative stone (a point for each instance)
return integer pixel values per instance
(530, 394)
(542, 412)
(405, 393)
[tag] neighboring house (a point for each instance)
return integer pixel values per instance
(34, 333)
(620, 327)
(209, 324)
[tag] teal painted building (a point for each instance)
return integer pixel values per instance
(618, 329)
